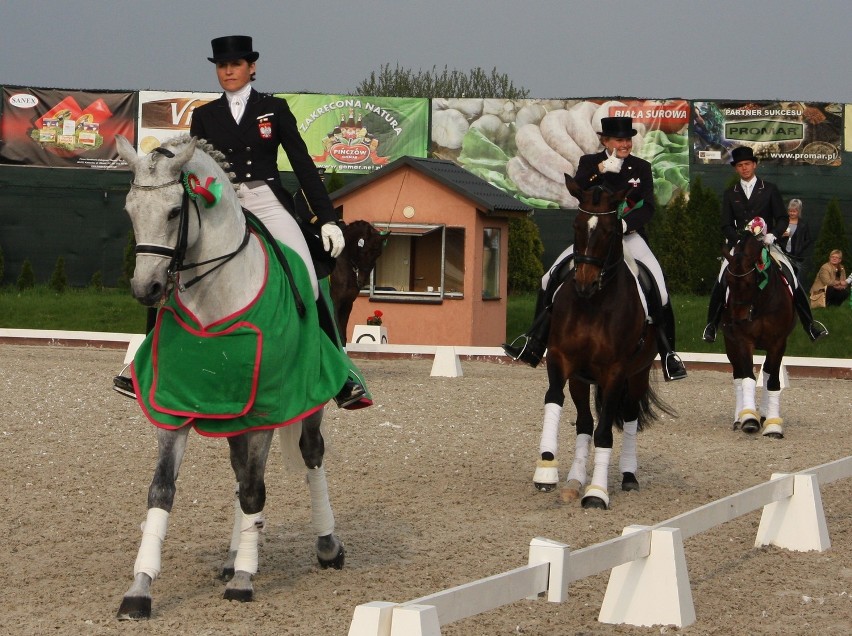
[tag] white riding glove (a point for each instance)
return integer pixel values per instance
(332, 239)
(769, 239)
(612, 163)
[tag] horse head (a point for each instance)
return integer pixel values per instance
(364, 245)
(166, 183)
(748, 265)
(598, 248)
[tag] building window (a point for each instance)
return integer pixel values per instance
(425, 261)
(491, 263)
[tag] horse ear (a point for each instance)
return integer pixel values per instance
(573, 187)
(186, 152)
(126, 151)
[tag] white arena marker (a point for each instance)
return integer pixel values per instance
(372, 619)
(446, 363)
(796, 523)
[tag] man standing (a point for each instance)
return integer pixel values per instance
(753, 197)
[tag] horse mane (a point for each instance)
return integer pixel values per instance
(178, 142)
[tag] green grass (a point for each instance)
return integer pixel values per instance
(691, 316)
(114, 310)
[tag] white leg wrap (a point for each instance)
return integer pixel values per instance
(601, 472)
(764, 395)
(550, 429)
(238, 519)
(773, 404)
(581, 456)
(151, 548)
(250, 526)
(748, 394)
(322, 518)
(627, 461)
(738, 395)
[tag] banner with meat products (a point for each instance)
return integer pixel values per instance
(64, 128)
(358, 135)
(525, 147)
(781, 133)
(164, 115)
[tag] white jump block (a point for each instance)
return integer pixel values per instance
(783, 378)
(135, 340)
(556, 554)
(370, 334)
(798, 522)
(372, 619)
(415, 620)
(653, 590)
(446, 363)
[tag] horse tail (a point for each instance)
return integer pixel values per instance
(289, 437)
(650, 407)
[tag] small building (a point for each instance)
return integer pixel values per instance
(442, 277)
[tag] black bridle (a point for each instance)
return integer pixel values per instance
(609, 263)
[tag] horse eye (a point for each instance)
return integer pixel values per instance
(174, 213)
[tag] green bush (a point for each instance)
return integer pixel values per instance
(2, 266)
(58, 279)
(97, 281)
(525, 250)
(26, 280)
(129, 262)
(832, 234)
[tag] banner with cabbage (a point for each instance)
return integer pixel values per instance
(525, 147)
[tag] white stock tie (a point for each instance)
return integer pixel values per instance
(237, 109)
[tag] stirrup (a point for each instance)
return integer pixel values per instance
(709, 334)
(679, 373)
(817, 330)
(514, 351)
(123, 384)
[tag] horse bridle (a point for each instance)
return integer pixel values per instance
(177, 253)
(606, 264)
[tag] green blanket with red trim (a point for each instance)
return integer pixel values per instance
(263, 367)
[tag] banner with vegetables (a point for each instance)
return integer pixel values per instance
(65, 129)
(359, 135)
(783, 133)
(525, 147)
(166, 114)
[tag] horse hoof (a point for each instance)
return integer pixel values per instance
(336, 562)
(774, 435)
(546, 475)
(238, 594)
(593, 503)
(134, 608)
(629, 482)
(544, 487)
(751, 426)
(571, 492)
(595, 498)
(773, 428)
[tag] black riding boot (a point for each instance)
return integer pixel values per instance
(813, 328)
(672, 365)
(352, 391)
(714, 311)
(534, 344)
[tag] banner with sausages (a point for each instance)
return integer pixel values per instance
(358, 135)
(782, 133)
(525, 147)
(63, 128)
(163, 115)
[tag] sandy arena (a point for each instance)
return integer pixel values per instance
(431, 488)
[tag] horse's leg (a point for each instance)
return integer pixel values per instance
(546, 474)
(136, 603)
(597, 493)
(576, 478)
(628, 461)
(741, 358)
(773, 424)
(249, 452)
(330, 551)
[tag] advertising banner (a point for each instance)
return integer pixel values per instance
(525, 147)
(65, 129)
(783, 133)
(358, 135)
(163, 115)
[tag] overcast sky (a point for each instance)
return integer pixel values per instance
(710, 49)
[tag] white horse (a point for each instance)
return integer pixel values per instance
(199, 260)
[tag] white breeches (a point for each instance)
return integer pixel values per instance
(639, 250)
(263, 203)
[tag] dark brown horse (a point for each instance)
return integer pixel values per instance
(759, 314)
(351, 274)
(599, 335)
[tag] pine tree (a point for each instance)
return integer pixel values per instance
(129, 263)
(58, 279)
(404, 82)
(525, 250)
(832, 234)
(704, 209)
(97, 281)
(26, 280)
(2, 266)
(673, 247)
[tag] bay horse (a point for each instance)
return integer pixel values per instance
(214, 360)
(600, 335)
(759, 314)
(363, 247)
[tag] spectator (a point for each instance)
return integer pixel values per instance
(831, 286)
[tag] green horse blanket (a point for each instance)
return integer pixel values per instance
(263, 367)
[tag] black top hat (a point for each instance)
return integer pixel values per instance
(233, 47)
(618, 127)
(742, 153)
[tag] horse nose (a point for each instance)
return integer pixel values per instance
(149, 295)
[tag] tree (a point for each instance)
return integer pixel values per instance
(129, 263)
(58, 279)
(673, 240)
(2, 266)
(26, 280)
(525, 250)
(403, 82)
(334, 181)
(832, 234)
(704, 210)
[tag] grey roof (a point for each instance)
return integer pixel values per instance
(486, 196)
